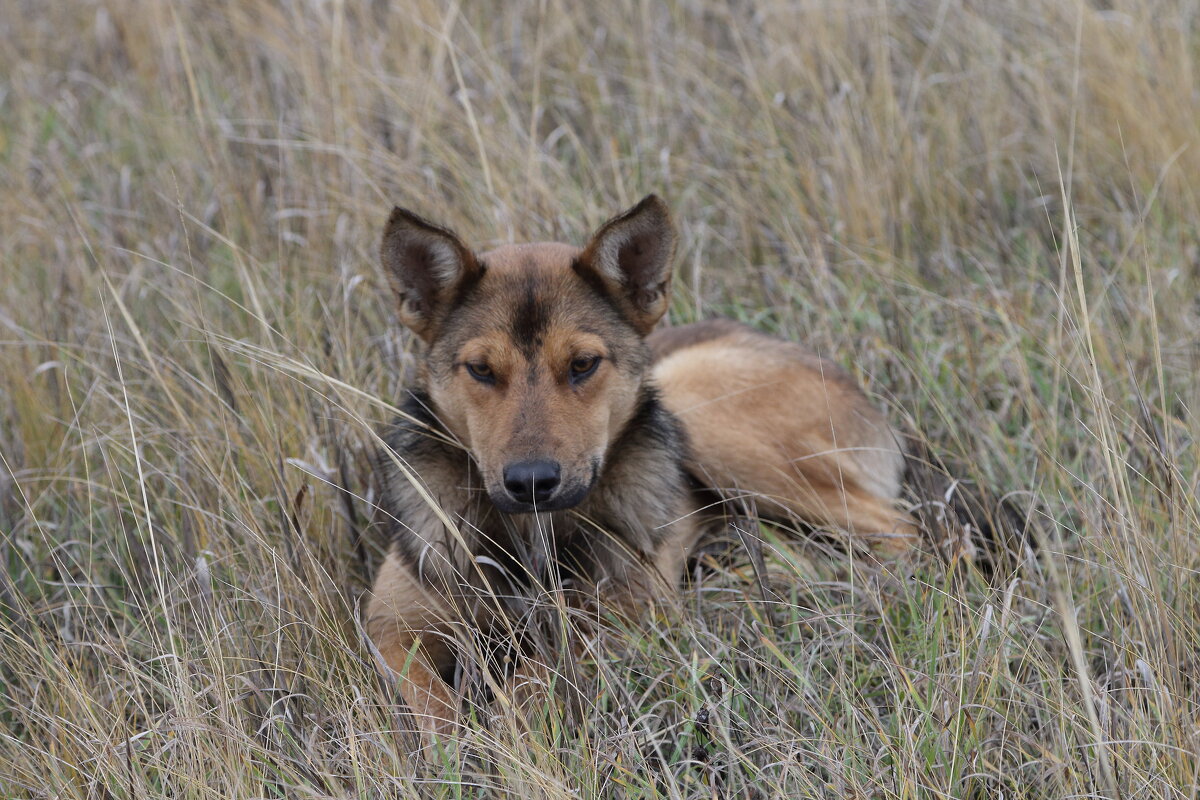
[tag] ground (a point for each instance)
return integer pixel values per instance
(987, 212)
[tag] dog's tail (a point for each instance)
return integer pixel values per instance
(965, 520)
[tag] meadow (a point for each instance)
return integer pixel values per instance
(989, 212)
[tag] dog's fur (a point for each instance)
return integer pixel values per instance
(538, 355)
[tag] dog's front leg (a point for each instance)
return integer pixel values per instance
(410, 625)
(632, 581)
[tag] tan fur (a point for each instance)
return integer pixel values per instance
(750, 416)
(768, 420)
(408, 624)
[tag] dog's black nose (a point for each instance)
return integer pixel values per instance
(532, 482)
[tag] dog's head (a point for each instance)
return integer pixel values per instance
(535, 356)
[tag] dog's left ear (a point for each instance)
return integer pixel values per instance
(632, 253)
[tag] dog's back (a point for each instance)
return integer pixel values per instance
(773, 424)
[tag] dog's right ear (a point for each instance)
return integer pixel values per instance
(426, 265)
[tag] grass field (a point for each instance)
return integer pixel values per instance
(988, 211)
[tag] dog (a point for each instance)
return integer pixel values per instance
(554, 437)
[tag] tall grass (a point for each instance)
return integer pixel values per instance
(987, 211)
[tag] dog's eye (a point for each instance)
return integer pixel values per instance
(481, 372)
(583, 366)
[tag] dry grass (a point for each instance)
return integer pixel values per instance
(987, 210)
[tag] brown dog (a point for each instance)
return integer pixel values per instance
(552, 438)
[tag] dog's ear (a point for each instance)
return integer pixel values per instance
(426, 266)
(632, 254)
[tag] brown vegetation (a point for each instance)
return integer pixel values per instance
(986, 211)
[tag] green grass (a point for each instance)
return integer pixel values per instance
(987, 212)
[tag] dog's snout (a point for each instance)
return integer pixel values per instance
(532, 482)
